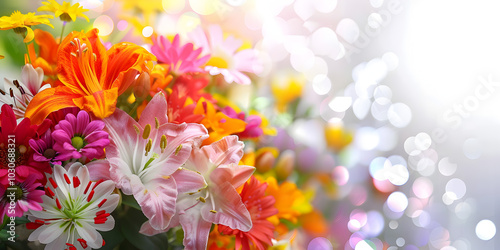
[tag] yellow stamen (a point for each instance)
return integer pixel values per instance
(147, 131)
(148, 146)
(178, 149)
(163, 143)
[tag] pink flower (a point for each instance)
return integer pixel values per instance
(23, 91)
(218, 202)
(15, 138)
(78, 136)
(225, 58)
(252, 129)
(24, 194)
(43, 149)
(147, 157)
(180, 59)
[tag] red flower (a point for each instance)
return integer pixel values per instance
(260, 207)
(14, 146)
(186, 92)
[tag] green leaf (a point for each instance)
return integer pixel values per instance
(130, 224)
(129, 200)
(112, 238)
(21, 220)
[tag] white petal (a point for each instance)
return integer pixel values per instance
(51, 232)
(88, 233)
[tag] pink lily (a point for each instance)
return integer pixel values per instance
(218, 202)
(144, 155)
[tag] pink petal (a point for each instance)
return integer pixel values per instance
(225, 151)
(230, 209)
(237, 175)
(188, 181)
(157, 107)
(158, 205)
(196, 230)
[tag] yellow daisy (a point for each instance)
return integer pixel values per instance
(66, 11)
(22, 23)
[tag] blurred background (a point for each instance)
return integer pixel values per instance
(414, 84)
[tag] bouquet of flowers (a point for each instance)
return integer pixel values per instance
(114, 145)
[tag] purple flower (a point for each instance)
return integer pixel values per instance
(78, 136)
(25, 195)
(252, 129)
(44, 149)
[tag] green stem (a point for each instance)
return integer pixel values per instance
(27, 52)
(62, 32)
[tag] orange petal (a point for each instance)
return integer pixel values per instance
(102, 103)
(47, 46)
(48, 101)
(80, 62)
(125, 57)
(32, 53)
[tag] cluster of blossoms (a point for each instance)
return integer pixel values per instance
(102, 130)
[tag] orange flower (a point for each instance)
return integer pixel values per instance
(47, 55)
(291, 202)
(91, 77)
(217, 123)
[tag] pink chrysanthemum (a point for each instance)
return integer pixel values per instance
(180, 59)
(260, 207)
(24, 194)
(226, 58)
(43, 149)
(78, 136)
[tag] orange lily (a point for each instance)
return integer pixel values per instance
(92, 78)
(47, 58)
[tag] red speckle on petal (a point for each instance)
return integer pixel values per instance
(87, 188)
(54, 184)
(67, 179)
(83, 243)
(33, 225)
(58, 204)
(49, 192)
(97, 183)
(101, 203)
(76, 181)
(71, 246)
(90, 196)
(101, 218)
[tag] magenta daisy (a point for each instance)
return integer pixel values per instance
(180, 59)
(44, 151)
(24, 195)
(226, 58)
(74, 208)
(78, 136)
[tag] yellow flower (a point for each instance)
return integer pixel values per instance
(22, 23)
(286, 89)
(337, 137)
(291, 202)
(66, 11)
(2, 57)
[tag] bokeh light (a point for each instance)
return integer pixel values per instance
(486, 230)
(105, 25)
